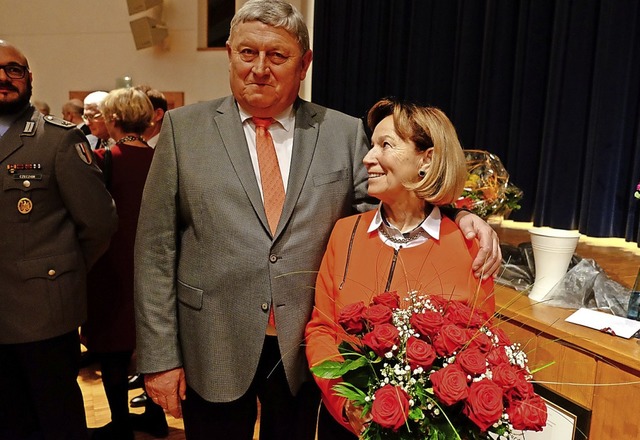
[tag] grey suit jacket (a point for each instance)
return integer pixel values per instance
(207, 266)
(65, 222)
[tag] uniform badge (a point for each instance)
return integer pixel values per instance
(84, 152)
(29, 128)
(12, 168)
(24, 205)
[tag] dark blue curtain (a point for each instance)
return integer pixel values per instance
(551, 87)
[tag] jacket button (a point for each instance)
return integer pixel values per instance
(265, 306)
(51, 272)
(26, 184)
(273, 258)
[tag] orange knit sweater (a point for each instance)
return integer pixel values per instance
(357, 266)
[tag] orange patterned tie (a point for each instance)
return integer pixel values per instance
(272, 186)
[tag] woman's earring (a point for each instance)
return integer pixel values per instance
(422, 173)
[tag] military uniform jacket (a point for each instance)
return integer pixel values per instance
(56, 219)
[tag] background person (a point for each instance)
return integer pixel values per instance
(57, 218)
(94, 119)
(213, 263)
(160, 106)
(415, 165)
(110, 328)
(42, 107)
(72, 111)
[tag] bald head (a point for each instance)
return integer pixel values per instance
(15, 84)
(7, 48)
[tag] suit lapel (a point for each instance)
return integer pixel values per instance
(305, 139)
(232, 134)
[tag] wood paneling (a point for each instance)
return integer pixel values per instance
(572, 372)
(618, 395)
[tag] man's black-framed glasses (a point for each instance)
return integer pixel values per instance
(15, 71)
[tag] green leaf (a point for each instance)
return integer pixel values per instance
(350, 365)
(416, 414)
(347, 390)
(328, 370)
(335, 369)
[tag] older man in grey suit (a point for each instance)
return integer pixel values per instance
(211, 269)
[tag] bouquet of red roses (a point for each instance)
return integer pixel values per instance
(432, 369)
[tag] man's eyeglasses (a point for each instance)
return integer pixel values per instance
(91, 118)
(15, 71)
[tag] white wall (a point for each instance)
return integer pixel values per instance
(87, 44)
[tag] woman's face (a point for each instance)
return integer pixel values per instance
(391, 163)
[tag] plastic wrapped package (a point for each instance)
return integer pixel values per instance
(585, 285)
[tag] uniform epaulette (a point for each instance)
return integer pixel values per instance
(59, 122)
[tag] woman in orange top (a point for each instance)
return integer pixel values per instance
(415, 165)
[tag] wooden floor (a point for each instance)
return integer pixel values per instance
(97, 408)
(619, 259)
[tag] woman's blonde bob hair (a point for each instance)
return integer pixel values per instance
(130, 108)
(427, 127)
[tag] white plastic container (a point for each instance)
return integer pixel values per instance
(552, 252)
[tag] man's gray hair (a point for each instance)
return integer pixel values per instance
(276, 13)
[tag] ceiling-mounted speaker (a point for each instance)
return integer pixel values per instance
(137, 6)
(148, 32)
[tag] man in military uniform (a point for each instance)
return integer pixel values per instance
(56, 219)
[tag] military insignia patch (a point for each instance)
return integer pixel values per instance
(84, 152)
(24, 205)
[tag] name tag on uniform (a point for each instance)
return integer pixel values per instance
(27, 177)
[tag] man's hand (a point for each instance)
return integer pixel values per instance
(167, 389)
(489, 258)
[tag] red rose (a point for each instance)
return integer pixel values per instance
(351, 319)
(450, 384)
(382, 339)
(504, 376)
(497, 356)
(479, 340)
(427, 323)
(530, 414)
(484, 405)
(378, 314)
(472, 361)
(420, 354)
(521, 389)
(389, 299)
(449, 340)
(463, 315)
(503, 339)
(438, 302)
(390, 407)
